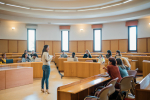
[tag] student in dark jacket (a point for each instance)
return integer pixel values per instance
(25, 52)
(108, 54)
(33, 53)
(87, 54)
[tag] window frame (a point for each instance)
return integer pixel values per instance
(94, 39)
(136, 38)
(62, 40)
(27, 38)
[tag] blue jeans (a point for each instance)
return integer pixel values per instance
(46, 73)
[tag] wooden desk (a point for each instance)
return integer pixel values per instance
(142, 89)
(82, 69)
(61, 60)
(37, 67)
(146, 68)
(78, 90)
(13, 77)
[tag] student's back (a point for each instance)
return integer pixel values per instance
(123, 71)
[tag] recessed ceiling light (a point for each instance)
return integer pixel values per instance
(2, 3)
(149, 23)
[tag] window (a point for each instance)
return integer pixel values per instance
(132, 38)
(31, 39)
(65, 40)
(97, 40)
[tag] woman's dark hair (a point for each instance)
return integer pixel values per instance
(118, 52)
(119, 61)
(108, 51)
(111, 59)
(44, 49)
(3, 54)
(73, 54)
(101, 55)
(25, 51)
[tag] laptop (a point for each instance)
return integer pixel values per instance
(37, 59)
(94, 60)
(70, 59)
(9, 61)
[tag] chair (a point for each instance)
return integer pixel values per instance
(125, 85)
(112, 90)
(102, 95)
(89, 61)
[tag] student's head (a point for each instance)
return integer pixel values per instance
(34, 56)
(87, 52)
(118, 52)
(63, 51)
(3, 55)
(73, 54)
(112, 61)
(26, 55)
(109, 52)
(101, 56)
(25, 51)
(119, 61)
(45, 49)
(33, 52)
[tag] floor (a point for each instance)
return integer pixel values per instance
(32, 91)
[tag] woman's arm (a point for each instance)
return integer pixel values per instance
(47, 57)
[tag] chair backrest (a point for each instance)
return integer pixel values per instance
(125, 83)
(132, 73)
(103, 95)
(113, 82)
(89, 61)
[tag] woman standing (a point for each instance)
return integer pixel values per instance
(46, 59)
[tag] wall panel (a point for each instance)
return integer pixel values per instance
(56, 46)
(3, 46)
(22, 45)
(142, 45)
(123, 45)
(50, 46)
(39, 46)
(73, 46)
(13, 46)
(89, 45)
(105, 45)
(114, 45)
(148, 44)
(81, 46)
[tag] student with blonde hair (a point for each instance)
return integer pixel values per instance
(87, 54)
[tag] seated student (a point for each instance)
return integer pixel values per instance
(113, 70)
(3, 59)
(118, 55)
(73, 56)
(108, 54)
(87, 54)
(33, 53)
(25, 52)
(63, 55)
(126, 63)
(101, 59)
(34, 56)
(26, 59)
(122, 68)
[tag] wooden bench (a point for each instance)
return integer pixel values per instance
(146, 67)
(78, 90)
(142, 89)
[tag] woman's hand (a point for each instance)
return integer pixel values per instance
(53, 57)
(105, 68)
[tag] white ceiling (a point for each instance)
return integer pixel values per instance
(128, 11)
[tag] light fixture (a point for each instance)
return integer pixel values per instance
(13, 28)
(149, 23)
(81, 29)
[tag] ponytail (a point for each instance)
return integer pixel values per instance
(44, 49)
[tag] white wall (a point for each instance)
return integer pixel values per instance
(116, 30)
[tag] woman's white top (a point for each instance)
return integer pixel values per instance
(46, 58)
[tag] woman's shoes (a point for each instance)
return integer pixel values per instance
(47, 92)
(42, 90)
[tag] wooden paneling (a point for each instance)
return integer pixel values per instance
(3, 46)
(22, 45)
(81, 46)
(2, 80)
(50, 46)
(56, 46)
(89, 45)
(73, 46)
(123, 45)
(142, 45)
(39, 46)
(148, 44)
(114, 45)
(12, 46)
(105, 45)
